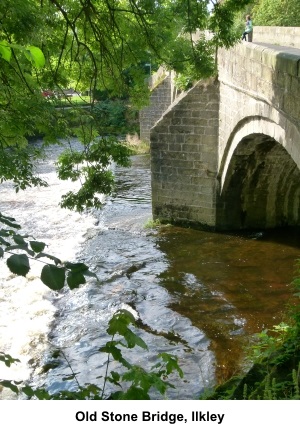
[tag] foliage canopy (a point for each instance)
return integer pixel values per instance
(92, 46)
(282, 13)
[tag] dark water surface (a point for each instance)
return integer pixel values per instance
(229, 286)
(199, 295)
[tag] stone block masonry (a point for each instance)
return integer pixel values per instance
(225, 155)
(259, 81)
(184, 151)
(160, 100)
(259, 136)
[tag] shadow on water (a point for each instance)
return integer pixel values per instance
(229, 285)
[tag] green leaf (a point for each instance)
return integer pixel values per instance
(161, 385)
(110, 348)
(92, 389)
(115, 376)
(75, 279)
(119, 322)
(171, 363)
(6, 217)
(134, 393)
(18, 264)
(35, 55)
(1, 252)
(40, 393)
(132, 340)
(28, 391)
(140, 377)
(4, 233)
(9, 218)
(18, 239)
(5, 50)
(4, 242)
(76, 267)
(53, 276)
(23, 247)
(10, 385)
(8, 360)
(51, 257)
(6, 220)
(80, 269)
(90, 274)
(37, 246)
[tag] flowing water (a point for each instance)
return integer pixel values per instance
(199, 295)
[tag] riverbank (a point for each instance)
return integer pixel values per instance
(136, 145)
(275, 370)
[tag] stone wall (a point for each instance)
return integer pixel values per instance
(184, 148)
(260, 82)
(259, 137)
(161, 97)
(284, 36)
(226, 153)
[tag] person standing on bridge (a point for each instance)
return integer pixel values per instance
(248, 29)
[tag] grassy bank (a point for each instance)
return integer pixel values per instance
(137, 146)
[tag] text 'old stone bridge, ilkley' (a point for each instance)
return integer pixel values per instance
(226, 153)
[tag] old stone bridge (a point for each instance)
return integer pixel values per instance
(226, 153)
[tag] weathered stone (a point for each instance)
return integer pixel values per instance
(226, 153)
(286, 36)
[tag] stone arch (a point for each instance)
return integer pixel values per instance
(260, 176)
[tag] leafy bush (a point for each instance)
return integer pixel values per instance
(114, 116)
(285, 13)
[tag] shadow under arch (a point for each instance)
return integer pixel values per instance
(259, 177)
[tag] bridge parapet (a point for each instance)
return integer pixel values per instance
(265, 71)
(284, 36)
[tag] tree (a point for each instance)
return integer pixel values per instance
(91, 45)
(94, 45)
(99, 45)
(283, 13)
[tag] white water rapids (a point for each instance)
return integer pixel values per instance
(111, 243)
(26, 309)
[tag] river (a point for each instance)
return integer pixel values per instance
(199, 295)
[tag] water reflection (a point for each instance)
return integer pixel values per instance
(229, 286)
